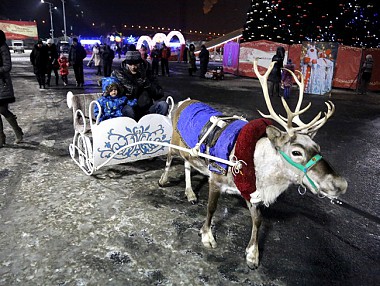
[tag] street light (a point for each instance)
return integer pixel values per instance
(51, 16)
(64, 19)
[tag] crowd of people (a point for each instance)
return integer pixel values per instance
(131, 90)
(134, 90)
(46, 60)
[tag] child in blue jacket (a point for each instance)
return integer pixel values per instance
(112, 103)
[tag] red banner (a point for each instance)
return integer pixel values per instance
(19, 30)
(263, 49)
(347, 67)
(294, 54)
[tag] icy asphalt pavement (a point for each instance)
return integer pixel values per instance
(61, 227)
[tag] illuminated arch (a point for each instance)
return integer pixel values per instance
(159, 38)
(175, 33)
(142, 39)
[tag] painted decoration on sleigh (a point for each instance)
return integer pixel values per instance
(317, 66)
(124, 131)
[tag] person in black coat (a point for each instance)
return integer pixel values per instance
(140, 86)
(155, 56)
(107, 57)
(274, 77)
(6, 92)
(204, 57)
(76, 56)
(53, 64)
(184, 58)
(39, 60)
(366, 73)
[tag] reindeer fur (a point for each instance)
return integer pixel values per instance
(273, 174)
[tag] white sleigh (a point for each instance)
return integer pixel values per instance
(115, 141)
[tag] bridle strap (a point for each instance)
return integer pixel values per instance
(304, 168)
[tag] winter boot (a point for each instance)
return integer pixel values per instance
(2, 135)
(18, 132)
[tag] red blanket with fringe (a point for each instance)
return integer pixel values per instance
(245, 181)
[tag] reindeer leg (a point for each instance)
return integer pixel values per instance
(208, 239)
(164, 177)
(252, 250)
(191, 197)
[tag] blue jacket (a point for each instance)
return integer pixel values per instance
(111, 106)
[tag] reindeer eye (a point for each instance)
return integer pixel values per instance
(296, 153)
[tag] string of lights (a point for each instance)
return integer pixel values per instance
(354, 22)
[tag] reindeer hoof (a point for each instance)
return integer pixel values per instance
(161, 184)
(252, 257)
(252, 265)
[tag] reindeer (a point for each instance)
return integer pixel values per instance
(280, 159)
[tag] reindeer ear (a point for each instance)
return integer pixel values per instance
(273, 132)
(276, 136)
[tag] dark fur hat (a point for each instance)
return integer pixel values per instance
(133, 57)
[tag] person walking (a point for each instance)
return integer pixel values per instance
(204, 57)
(118, 50)
(53, 64)
(274, 77)
(287, 78)
(39, 59)
(63, 68)
(178, 53)
(107, 57)
(7, 92)
(96, 59)
(184, 58)
(155, 55)
(165, 55)
(144, 52)
(76, 56)
(366, 71)
(192, 60)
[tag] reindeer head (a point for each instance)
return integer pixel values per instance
(295, 145)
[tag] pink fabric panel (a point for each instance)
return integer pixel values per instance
(231, 57)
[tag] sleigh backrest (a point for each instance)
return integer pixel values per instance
(81, 102)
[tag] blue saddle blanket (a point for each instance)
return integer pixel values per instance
(190, 124)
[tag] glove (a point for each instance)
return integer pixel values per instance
(132, 102)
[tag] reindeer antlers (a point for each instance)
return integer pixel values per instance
(310, 128)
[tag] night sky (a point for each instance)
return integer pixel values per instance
(224, 16)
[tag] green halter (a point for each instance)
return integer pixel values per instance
(303, 168)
